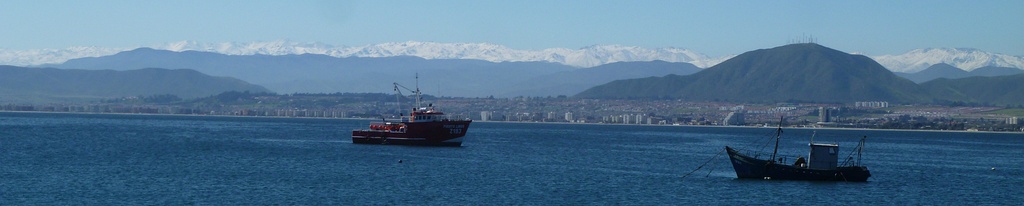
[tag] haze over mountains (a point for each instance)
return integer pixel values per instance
(909, 62)
(311, 73)
(42, 85)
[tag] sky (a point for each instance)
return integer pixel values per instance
(714, 28)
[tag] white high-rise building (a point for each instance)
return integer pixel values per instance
(734, 118)
(871, 104)
(824, 115)
(485, 116)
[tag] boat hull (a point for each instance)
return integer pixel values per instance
(752, 168)
(440, 133)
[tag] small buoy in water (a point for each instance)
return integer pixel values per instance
(399, 161)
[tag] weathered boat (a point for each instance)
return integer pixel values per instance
(821, 165)
(424, 126)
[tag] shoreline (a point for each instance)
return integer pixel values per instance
(751, 127)
(511, 122)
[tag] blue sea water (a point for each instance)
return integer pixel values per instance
(59, 159)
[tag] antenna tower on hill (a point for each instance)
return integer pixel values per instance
(805, 39)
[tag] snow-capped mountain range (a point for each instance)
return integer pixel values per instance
(913, 61)
(584, 57)
(963, 58)
(52, 56)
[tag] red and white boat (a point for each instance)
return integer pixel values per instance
(424, 126)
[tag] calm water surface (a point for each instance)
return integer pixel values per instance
(62, 159)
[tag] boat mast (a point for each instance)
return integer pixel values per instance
(398, 101)
(417, 91)
(860, 149)
(778, 135)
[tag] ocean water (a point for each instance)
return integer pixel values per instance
(60, 159)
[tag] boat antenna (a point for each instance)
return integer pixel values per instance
(418, 98)
(815, 133)
(778, 135)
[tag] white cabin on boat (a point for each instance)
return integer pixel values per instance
(823, 156)
(426, 115)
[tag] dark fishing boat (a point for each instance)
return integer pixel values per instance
(424, 126)
(821, 165)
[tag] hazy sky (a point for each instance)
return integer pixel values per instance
(711, 27)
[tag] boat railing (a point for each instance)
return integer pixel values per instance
(850, 161)
(779, 159)
(456, 117)
(387, 126)
(787, 159)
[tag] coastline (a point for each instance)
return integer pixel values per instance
(510, 122)
(751, 127)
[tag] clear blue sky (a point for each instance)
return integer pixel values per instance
(711, 27)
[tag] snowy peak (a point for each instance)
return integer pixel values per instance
(433, 50)
(967, 59)
(584, 57)
(604, 54)
(265, 48)
(51, 56)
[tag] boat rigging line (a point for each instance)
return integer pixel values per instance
(772, 134)
(399, 95)
(859, 150)
(705, 163)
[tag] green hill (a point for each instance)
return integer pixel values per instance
(796, 72)
(999, 90)
(575, 81)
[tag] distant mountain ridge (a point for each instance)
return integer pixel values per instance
(22, 84)
(584, 57)
(803, 72)
(947, 71)
(909, 62)
(312, 73)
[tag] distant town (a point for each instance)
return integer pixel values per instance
(562, 109)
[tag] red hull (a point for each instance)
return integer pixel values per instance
(436, 133)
